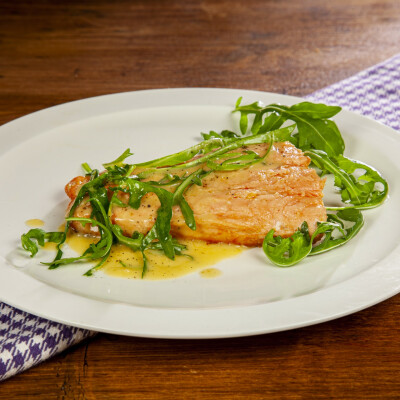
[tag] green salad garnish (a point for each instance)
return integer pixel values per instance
(306, 125)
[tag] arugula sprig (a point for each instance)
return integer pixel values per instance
(136, 190)
(321, 140)
(212, 149)
(314, 128)
(41, 237)
(100, 250)
(347, 223)
(368, 190)
(286, 252)
(119, 161)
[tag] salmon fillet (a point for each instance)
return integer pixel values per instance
(238, 207)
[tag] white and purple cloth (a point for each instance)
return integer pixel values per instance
(374, 92)
(27, 340)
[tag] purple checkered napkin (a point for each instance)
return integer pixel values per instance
(374, 92)
(26, 340)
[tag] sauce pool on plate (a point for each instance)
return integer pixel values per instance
(34, 223)
(125, 263)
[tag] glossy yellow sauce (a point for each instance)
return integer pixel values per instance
(50, 246)
(34, 223)
(125, 263)
(210, 273)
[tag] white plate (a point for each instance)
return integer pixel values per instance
(42, 151)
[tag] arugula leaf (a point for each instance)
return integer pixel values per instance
(178, 247)
(337, 223)
(193, 178)
(233, 161)
(134, 242)
(137, 190)
(41, 237)
(286, 252)
(119, 161)
(277, 136)
(315, 111)
(87, 168)
(168, 180)
(314, 129)
(272, 122)
(99, 250)
(182, 156)
(207, 148)
(225, 134)
(361, 192)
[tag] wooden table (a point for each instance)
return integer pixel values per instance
(54, 52)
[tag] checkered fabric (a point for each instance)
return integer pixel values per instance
(374, 92)
(26, 340)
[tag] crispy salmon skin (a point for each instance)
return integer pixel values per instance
(239, 207)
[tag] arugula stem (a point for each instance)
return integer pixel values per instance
(86, 168)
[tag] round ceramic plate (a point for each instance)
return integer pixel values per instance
(41, 152)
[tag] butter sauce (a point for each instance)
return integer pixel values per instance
(210, 273)
(34, 223)
(37, 223)
(125, 263)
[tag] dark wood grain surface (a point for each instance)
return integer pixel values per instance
(53, 52)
